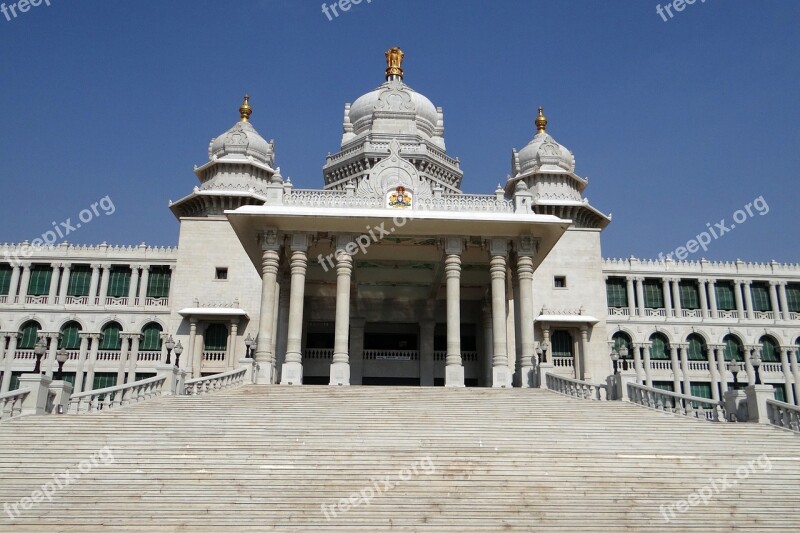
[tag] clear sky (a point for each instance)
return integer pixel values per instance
(677, 124)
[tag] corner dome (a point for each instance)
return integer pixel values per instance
(242, 140)
(543, 154)
(393, 97)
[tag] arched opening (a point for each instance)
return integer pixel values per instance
(112, 338)
(659, 347)
(28, 335)
(770, 351)
(151, 338)
(697, 349)
(734, 349)
(70, 336)
(623, 341)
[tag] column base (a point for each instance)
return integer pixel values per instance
(501, 377)
(454, 376)
(526, 377)
(292, 374)
(340, 374)
(263, 373)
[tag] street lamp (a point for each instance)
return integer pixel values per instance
(61, 357)
(39, 350)
(623, 354)
(249, 342)
(178, 352)
(169, 344)
(545, 346)
(615, 360)
(755, 360)
(735, 367)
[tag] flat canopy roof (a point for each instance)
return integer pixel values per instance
(212, 311)
(249, 221)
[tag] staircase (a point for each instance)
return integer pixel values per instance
(285, 459)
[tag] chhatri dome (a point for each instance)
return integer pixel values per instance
(543, 154)
(242, 141)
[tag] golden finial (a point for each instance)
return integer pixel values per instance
(394, 63)
(245, 110)
(541, 121)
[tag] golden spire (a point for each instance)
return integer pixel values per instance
(245, 110)
(394, 63)
(541, 121)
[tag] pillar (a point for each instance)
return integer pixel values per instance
(93, 284)
(8, 368)
(792, 354)
(95, 345)
(701, 285)
(773, 299)
(526, 318)
(748, 365)
(501, 376)
(134, 285)
(637, 363)
(683, 350)
(677, 375)
(748, 298)
(265, 360)
(54, 279)
(230, 356)
(134, 357)
(340, 365)
(143, 285)
(712, 297)
(714, 371)
(292, 371)
(123, 358)
(787, 375)
(640, 294)
(631, 296)
(84, 352)
(24, 282)
(783, 300)
(101, 297)
(648, 371)
(665, 289)
(737, 293)
(676, 297)
(722, 369)
(13, 286)
(454, 368)
(582, 355)
(49, 365)
(194, 354)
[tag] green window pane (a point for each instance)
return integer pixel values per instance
(29, 336)
(5, 278)
(119, 282)
(158, 282)
(702, 390)
(696, 350)
(70, 337)
(690, 297)
(793, 297)
(140, 376)
(104, 379)
(620, 341)
(769, 351)
(653, 294)
(664, 385)
(111, 337)
(79, 280)
(780, 392)
(151, 338)
(617, 292)
(69, 376)
(659, 348)
(726, 301)
(216, 337)
(14, 384)
(760, 295)
(732, 350)
(39, 283)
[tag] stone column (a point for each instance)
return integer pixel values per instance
(265, 360)
(134, 285)
(340, 365)
(134, 357)
(193, 354)
(454, 368)
(24, 282)
(787, 375)
(143, 284)
(93, 349)
(426, 365)
(101, 298)
(123, 358)
(773, 299)
(722, 369)
(501, 376)
(50, 364)
(640, 294)
(701, 286)
(737, 293)
(677, 375)
(784, 300)
(712, 295)
(292, 371)
(748, 298)
(526, 318)
(637, 362)
(84, 352)
(230, 357)
(683, 350)
(631, 296)
(665, 289)
(581, 356)
(714, 371)
(13, 286)
(10, 351)
(648, 371)
(792, 355)
(62, 294)
(282, 321)
(357, 350)
(95, 280)
(676, 297)
(54, 278)
(748, 365)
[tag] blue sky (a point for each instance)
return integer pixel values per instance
(677, 124)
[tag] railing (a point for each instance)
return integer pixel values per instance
(156, 302)
(672, 402)
(660, 364)
(772, 367)
(213, 355)
(576, 388)
(149, 356)
(108, 355)
(11, 403)
(36, 299)
(563, 362)
(619, 311)
(728, 314)
(702, 366)
(76, 300)
(764, 315)
(692, 313)
(466, 202)
(794, 316)
(116, 301)
(649, 311)
(74, 355)
(206, 384)
(318, 353)
(392, 355)
(3, 298)
(783, 415)
(25, 355)
(469, 356)
(116, 396)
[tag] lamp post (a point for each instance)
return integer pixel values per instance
(615, 360)
(61, 357)
(545, 346)
(735, 367)
(39, 350)
(755, 360)
(178, 352)
(169, 344)
(249, 342)
(623, 354)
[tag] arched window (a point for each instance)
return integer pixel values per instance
(151, 338)
(70, 336)
(733, 348)
(562, 343)
(697, 350)
(111, 337)
(797, 349)
(29, 334)
(770, 352)
(216, 337)
(659, 346)
(623, 340)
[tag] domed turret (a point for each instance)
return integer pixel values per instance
(543, 153)
(242, 140)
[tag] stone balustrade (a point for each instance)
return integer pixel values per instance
(204, 385)
(11, 403)
(783, 415)
(673, 402)
(117, 396)
(392, 355)
(576, 388)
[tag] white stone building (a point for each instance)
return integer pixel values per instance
(389, 274)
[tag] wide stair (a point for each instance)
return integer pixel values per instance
(470, 460)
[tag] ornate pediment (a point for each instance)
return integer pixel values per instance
(394, 180)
